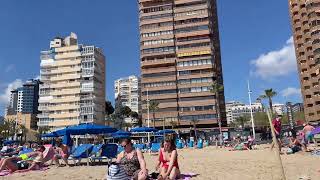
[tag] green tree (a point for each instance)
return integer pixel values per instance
(108, 108)
(216, 89)
(269, 94)
(242, 120)
(153, 107)
(42, 130)
(261, 119)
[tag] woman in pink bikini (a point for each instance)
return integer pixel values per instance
(168, 160)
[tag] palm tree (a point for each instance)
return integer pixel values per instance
(22, 128)
(195, 122)
(268, 94)
(173, 124)
(153, 107)
(216, 88)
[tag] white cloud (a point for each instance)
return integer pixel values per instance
(5, 95)
(10, 68)
(290, 91)
(276, 63)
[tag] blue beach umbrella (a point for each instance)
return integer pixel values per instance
(143, 129)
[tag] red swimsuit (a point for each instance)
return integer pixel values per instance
(165, 163)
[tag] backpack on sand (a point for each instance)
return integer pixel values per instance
(116, 172)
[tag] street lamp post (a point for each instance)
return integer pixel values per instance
(251, 113)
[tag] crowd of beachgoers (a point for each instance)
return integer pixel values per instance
(126, 158)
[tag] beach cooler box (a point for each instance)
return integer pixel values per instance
(191, 144)
(179, 145)
(200, 145)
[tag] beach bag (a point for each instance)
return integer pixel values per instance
(115, 171)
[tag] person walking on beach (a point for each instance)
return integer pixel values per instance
(307, 132)
(277, 130)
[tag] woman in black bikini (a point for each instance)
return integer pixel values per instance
(132, 161)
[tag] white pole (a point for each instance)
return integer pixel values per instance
(251, 113)
(148, 114)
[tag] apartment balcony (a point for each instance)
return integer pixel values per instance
(144, 89)
(205, 102)
(43, 108)
(63, 107)
(206, 49)
(155, 63)
(65, 99)
(164, 36)
(156, 45)
(65, 77)
(65, 70)
(66, 92)
(194, 85)
(45, 99)
(157, 20)
(195, 94)
(67, 48)
(64, 115)
(160, 96)
(168, 105)
(158, 70)
(193, 33)
(211, 121)
(192, 76)
(67, 62)
(65, 85)
(68, 55)
(62, 123)
(184, 68)
(158, 79)
(190, 113)
(189, 8)
(150, 30)
(42, 116)
(194, 41)
(160, 115)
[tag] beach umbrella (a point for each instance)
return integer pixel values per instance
(121, 134)
(143, 129)
(316, 131)
(52, 134)
(166, 131)
(90, 129)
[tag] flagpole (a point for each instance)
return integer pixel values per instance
(251, 113)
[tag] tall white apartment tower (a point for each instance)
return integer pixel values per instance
(127, 92)
(73, 84)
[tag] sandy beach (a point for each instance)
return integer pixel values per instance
(208, 163)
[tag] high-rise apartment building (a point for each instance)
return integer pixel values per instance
(127, 92)
(73, 84)
(24, 99)
(237, 109)
(305, 20)
(180, 60)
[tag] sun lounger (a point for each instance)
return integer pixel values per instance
(82, 151)
(106, 152)
(142, 147)
(155, 147)
(120, 149)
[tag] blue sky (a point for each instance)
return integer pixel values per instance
(255, 42)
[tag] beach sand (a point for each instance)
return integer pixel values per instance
(209, 163)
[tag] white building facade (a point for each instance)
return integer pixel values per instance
(236, 109)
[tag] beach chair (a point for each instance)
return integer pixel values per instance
(142, 147)
(190, 144)
(25, 151)
(82, 151)
(108, 152)
(179, 145)
(120, 149)
(155, 147)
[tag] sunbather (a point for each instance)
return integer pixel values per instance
(132, 161)
(168, 160)
(62, 152)
(31, 161)
(295, 145)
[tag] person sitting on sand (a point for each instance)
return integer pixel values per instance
(32, 161)
(132, 161)
(295, 145)
(62, 152)
(168, 160)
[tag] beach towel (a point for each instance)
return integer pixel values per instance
(184, 176)
(4, 173)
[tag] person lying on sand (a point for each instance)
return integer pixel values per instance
(28, 164)
(168, 160)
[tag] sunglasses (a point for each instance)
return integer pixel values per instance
(124, 146)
